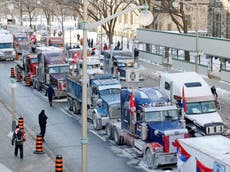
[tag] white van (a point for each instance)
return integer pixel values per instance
(201, 115)
(6, 46)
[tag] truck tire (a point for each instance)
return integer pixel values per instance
(78, 108)
(96, 122)
(109, 131)
(119, 140)
(69, 104)
(150, 159)
(74, 108)
(38, 86)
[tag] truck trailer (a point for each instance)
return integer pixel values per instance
(103, 99)
(196, 102)
(207, 153)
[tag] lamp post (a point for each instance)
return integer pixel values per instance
(175, 4)
(148, 20)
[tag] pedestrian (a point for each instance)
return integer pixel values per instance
(105, 47)
(91, 43)
(50, 93)
(213, 90)
(118, 45)
(42, 119)
(18, 138)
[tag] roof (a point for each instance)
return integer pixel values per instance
(179, 80)
(217, 147)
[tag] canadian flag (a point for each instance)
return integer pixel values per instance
(132, 104)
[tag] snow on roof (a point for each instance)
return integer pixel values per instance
(216, 146)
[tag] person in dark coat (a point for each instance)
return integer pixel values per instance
(18, 138)
(50, 93)
(42, 119)
(213, 90)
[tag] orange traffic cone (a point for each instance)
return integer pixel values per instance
(27, 81)
(12, 75)
(19, 77)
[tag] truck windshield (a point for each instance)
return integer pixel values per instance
(160, 116)
(110, 91)
(34, 60)
(6, 45)
(58, 69)
(201, 107)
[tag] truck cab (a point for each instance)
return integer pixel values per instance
(6, 46)
(108, 103)
(201, 114)
(21, 43)
(151, 124)
(52, 69)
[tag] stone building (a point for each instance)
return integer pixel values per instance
(219, 18)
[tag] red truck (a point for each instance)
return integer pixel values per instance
(21, 43)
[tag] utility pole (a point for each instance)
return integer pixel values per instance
(20, 7)
(197, 36)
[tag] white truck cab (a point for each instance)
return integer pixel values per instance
(208, 153)
(201, 115)
(6, 46)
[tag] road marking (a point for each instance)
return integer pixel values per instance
(95, 133)
(69, 115)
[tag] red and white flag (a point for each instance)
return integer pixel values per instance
(132, 104)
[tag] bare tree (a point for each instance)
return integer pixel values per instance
(29, 6)
(98, 10)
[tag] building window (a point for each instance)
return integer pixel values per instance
(217, 25)
(228, 26)
(189, 21)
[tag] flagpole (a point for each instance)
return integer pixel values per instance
(183, 111)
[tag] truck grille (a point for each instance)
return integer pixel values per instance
(8, 53)
(115, 112)
(214, 129)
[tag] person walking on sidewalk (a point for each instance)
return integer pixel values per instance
(18, 138)
(50, 93)
(42, 119)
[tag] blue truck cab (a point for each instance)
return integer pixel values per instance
(153, 127)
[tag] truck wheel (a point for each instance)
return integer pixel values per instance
(38, 87)
(109, 131)
(96, 123)
(150, 159)
(69, 104)
(74, 108)
(78, 108)
(119, 140)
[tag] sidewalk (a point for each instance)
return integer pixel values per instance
(31, 162)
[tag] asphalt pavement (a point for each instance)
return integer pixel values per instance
(31, 162)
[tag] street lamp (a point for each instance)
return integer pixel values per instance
(147, 16)
(176, 4)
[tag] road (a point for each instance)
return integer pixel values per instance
(64, 131)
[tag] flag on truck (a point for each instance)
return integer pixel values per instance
(132, 104)
(183, 101)
(181, 152)
(201, 167)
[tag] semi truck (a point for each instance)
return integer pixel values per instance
(27, 62)
(52, 70)
(6, 46)
(150, 124)
(207, 153)
(103, 99)
(21, 43)
(199, 104)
